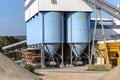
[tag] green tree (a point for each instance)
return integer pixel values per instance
(7, 40)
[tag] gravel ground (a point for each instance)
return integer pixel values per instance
(73, 73)
(11, 71)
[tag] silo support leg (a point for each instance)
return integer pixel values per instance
(71, 56)
(62, 57)
(42, 59)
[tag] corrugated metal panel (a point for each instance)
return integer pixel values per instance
(34, 8)
(27, 15)
(60, 5)
(65, 5)
(26, 2)
(27, 10)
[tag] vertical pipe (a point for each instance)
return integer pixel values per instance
(62, 57)
(89, 53)
(89, 37)
(42, 57)
(71, 59)
(42, 49)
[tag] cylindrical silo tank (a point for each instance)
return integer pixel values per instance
(53, 32)
(29, 31)
(39, 28)
(78, 29)
(35, 30)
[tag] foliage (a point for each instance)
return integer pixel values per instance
(29, 67)
(97, 70)
(6, 40)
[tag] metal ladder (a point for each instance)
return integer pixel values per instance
(107, 7)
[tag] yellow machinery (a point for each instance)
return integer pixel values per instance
(113, 52)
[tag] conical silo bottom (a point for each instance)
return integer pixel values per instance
(51, 49)
(11, 71)
(78, 49)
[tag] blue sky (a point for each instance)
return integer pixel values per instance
(12, 16)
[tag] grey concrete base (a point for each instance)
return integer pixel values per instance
(62, 66)
(69, 65)
(52, 63)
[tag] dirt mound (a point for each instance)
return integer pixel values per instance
(11, 71)
(114, 74)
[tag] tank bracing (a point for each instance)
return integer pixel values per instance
(103, 36)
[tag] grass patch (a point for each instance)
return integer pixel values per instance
(30, 68)
(38, 79)
(97, 70)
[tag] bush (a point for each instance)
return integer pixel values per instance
(29, 67)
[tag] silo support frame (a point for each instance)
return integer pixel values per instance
(62, 56)
(94, 35)
(89, 54)
(98, 11)
(71, 54)
(42, 57)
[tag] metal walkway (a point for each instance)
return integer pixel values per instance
(107, 7)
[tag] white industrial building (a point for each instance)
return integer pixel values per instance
(32, 7)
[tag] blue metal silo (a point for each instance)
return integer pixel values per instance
(53, 32)
(29, 30)
(78, 29)
(38, 28)
(31, 27)
(35, 30)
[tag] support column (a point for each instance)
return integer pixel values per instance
(71, 55)
(89, 54)
(42, 57)
(94, 36)
(62, 56)
(103, 34)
